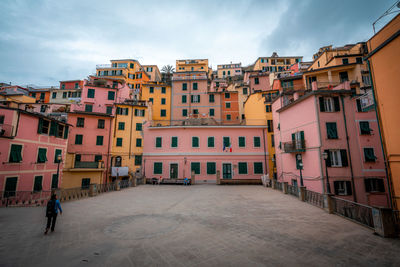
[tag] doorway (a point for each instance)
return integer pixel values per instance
(226, 170)
(173, 171)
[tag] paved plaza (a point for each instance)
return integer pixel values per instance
(201, 225)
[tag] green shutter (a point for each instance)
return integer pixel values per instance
(226, 141)
(99, 140)
(211, 168)
(37, 186)
(66, 129)
(138, 142)
(258, 168)
(257, 141)
(210, 141)
(57, 152)
(119, 141)
(212, 112)
(195, 141)
(42, 155)
(364, 127)
(242, 168)
(138, 126)
(157, 168)
(136, 112)
(121, 126)
(78, 139)
(54, 181)
(195, 166)
(184, 86)
(158, 141)
(194, 86)
(40, 126)
(174, 141)
(53, 128)
(184, 99)
(369, 154)
(15, 153)
(111, 95)
(331, 130)
(242, 141)
(138, 160)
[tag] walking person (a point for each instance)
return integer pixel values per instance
(53, 206)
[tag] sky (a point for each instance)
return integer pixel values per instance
(43, 42)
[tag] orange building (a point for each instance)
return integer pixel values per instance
(230, 107)
(41, 95)
(383, 61)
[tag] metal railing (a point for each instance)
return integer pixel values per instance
(314, 198)
(24, 198)
(87, 164)
(6, 130)
(125, 183)
(293, 190)
(279, 186)
(294, 146)
(354, 211)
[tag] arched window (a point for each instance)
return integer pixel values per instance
(118, 161)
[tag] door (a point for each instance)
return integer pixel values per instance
(173, 171)
(227, 171)
(54, 181)
(11, 187)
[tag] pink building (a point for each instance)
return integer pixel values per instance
(30, 143)
(259, 81)
(238, 152)
(330, 121)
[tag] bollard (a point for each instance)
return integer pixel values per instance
(302, 193)
(328, 203)
(285, 187)
(92, 190)
(218, 177)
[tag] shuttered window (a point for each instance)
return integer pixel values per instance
(42, 158)
(211, 98)
(184, 112)
(174, 141)
(258, 168)
(99, 140)
(56, 153)
(195, 166)
(374, 185)
(158, 141)
(138, 126)
(210, 141)
(270, 126)
(243, 167)
(257, 141)
(119, 142)
(100, 124)
(331, 130)
(242, 141)
(184, 86)
(138, 142)
(121, 126)
(78, 139)
(211, 168)
(369, 154)
(342, 188)
(226, 141)
(80, 122)
(163, 113)
(90, 93)
(88, 108)
(184, 99)
(37, 186)
(138, 160)
(195, 141)
(364, 127)
(111, 95)
(212, 112)
(157, 168)
(194, 86)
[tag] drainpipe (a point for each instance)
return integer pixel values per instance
(265, 152)
(130, 135)
(16, 130)
(380, 138)
(348, 148)
(108, 152)
(320, 145)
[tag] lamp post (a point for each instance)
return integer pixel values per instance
(59, 158)
(328, 186)
(300, 167)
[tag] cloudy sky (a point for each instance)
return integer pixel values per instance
(45, 41)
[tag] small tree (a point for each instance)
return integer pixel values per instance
(168, 69)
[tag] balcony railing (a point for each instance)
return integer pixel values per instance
(294, 146)
(354, 211)
(6, 130)
(87, 164)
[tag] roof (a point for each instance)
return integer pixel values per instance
(91, 113)
(36, 114)
(71, 81)
(13, 91)
(128, 59)
(332, 67)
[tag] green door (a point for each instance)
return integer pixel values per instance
(227, 171)
(11, 187)
(54, 181)
(173, 172)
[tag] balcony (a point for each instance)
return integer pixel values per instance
(7, 130)
(186, 78)
(294, 146)
(89, 165)
(109, 66)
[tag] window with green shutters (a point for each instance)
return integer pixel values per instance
(174, 141)
(163, 113)
(90, 93)
(210, 141)
(138, 126)
(56, 153)
(80, 122)
(228, 117)
(99, 140)
(211, 168)
(15, 153)
(184, 112)
(331, 130)
(184, 99)
(369, 154)
(227, 105)
(163, 90)
(245, 91)
(37, 185)
(85, 183)
(121, 126)
(226, 141)
(157, 168)
(111, 95)
(242, 141)
(163, 101)
(138, 160)
(211, 98)
(158, 141)
(270, 126)
(97, 158)
(195, 141)
(227, 95)
(364, 127)
(119, 141)
(100, 124)
(109, 110)
(151, 90)
(184, 86)
(242, 167)
(151, 100)
(212, 112)
(42, 158)
(138, 142)
(258, 168)
(10, 187)
(78, 139)
(194, 86)
(257, 141)
(88, 108)
(195, 166)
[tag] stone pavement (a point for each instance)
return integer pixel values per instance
(201, 225)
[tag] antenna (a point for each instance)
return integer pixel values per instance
(388, 12)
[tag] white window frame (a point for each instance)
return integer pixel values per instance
(177, 143)
(245, 142)
(342, 189)
(336, 158)
(328, 104)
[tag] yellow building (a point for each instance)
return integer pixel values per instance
(159, 95)
(127, 138)
(229, 70)
(257, 111)
(15, 94)
(153, 72)
(192, 65)
(275, 63)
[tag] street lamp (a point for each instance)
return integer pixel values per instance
(59, 158)
(328, 186)
(300, 167)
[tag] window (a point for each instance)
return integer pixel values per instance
(138, 160)
(54, 95)
(184, 112)
(88, 108)
(194, 86)
(374, 185)
(345, 61)
(337, 158)
(138, 142)
(97, 158)
(184, 86)
(85, 183)
(184, 99)
(211, 98)
(42, 95)
(54, 181)
(270, 126)
(228, 117)
(257, 141)
(99, 140)
(331, 130)
(42, 158)
(138, 126)
(43, 108)
(272, 141)
(1, 119)
(227, 105)
(258, 168)
(342, 188)
(78, 139)
(195, 111)
(100, 124)
(195, 98)
(157, 168)
(359, 60)
(80, 122)
(111, 95)
(359, 108)
(364, 127)
(212, 112)
(242, 167)
(44, 126)
(174, 141)
(15, 153)
(118, 161)
(109, 110)
(195, 141)
(369, 155)
(211, 168)
(158, 141)
(195, 166)
(56, 153)
(76, 85)
(366, 80)
(268, 108)
(163, 113)
(151, 90)
(90, 93)
(210, 141)
(227, 95)
(140, 112)
(244, 91)
(121, 126)
(226, 141)
(242, 141)
(37, 185)
(329, 104)
(163, 90)
(163, 101)
(256, 81)
(151, 100)
(119, 141)
(343, 76)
